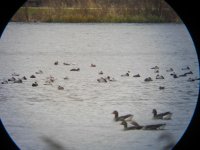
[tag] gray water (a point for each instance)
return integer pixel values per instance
(79, 117)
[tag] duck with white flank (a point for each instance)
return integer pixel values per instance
(127, 117)
(35, 84)
(126, 74)
(136, 126)
(159, 76)
(164, 116)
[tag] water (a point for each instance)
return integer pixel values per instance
(79, 117)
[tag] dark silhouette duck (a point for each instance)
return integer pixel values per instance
(164, 116)
(121, 118)
(35, 84)
(136, 126)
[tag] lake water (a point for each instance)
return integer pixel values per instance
(79, 117)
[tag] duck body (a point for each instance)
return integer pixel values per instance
(159, 77)
(164, 116)
(170, 70)
(34, 84)
(136, 126)
(75, 69)
(148, 79)
(127, 117)
(102, 80)
(137, 75)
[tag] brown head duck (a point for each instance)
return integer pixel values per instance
(121, 118)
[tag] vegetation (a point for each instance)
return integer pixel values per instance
(96, 11)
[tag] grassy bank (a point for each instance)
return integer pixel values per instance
(97, 14)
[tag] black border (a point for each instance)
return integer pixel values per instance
(187, 11)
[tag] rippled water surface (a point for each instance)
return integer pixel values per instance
(79, 117)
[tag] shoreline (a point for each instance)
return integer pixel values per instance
(92, 15)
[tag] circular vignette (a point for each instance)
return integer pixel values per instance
(188, 13)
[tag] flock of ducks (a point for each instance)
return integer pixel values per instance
(125, 119)
(50, 80)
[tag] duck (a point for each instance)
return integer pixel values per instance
(4, 82)
(110, 79)
(92, 65)
(15, 74)
(18, 81)
(148, 79)
(127, 117)
(34, 84)
(190, 72)
(101, 72)
(12, 79)
(156, 67)
(67, 64)
(56, 63)
(75, 69)
(102, 80)
(164, 116)
(39, 72)
(170, 70)
(156, 71)
(66, 78)
(24, 78)
(136, 126)
(159, 76)
(161, 87)
(126, 74)
(32, 76)
(137, 75)
(182, 75)
(60, 88)
(186, 68)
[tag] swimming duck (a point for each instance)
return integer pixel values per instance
(136, 126)
(60, 88)
(18, 81)
(137, 75)
(75, 69)
(161, 87)
(35, 84)
(92, 65)
(190, 72)
(121, 118)
(56, 63)
(67, 64)
(170, 70)
(148, 79)
(15, 74)
(39, 72)
(66, 78)
(156, 67)
(126, 74)
(159, 76)
(12, 79)
(164, 116)
(156, 71)
(4, 82)
(186, 68)
(24, 78)
(102, 80)
(110, 79)
(101, 72)
(32, 76)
